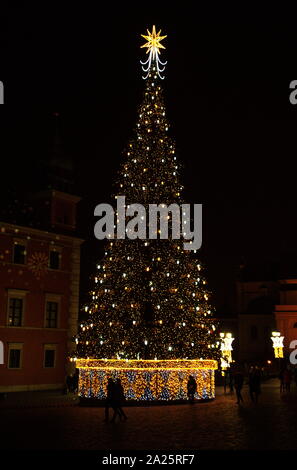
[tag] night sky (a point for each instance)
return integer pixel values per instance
(227, 96)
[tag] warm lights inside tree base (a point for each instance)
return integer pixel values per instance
(147, 380)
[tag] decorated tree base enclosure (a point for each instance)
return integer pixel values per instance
(147, 380)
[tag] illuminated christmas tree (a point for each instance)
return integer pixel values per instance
(150, 299)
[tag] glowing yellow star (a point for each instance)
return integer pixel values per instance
(153, 41)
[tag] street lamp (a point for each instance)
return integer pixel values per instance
(226, 348)
(277, 344)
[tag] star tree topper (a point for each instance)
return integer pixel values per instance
(153, 46)
(153, 43)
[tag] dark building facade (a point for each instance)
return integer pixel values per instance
(39, 279)
(39, 298)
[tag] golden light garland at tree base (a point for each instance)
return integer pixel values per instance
(147, 380)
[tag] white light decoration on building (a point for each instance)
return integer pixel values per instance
(226, 349)
(278, 344)
(153, 45)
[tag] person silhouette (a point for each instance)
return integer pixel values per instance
(281, 381)
(120, 399)
(254, 384)
(110, 401)
(287, 379)
(238, 384)
(231, 380)
(75, 381)
(192, 388)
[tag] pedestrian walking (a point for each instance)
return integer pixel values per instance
(192, 388)
(225, 381)
(120, 399)
(110, 401)
(295, 375)
(287, 379)
(231, 381)
(281, 381)
(254, 384)
(69, 382)
(75, 381)
(238, 384)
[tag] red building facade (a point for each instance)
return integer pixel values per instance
(39, 296)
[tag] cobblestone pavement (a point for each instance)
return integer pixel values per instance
(220, 424)
(44, 399)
